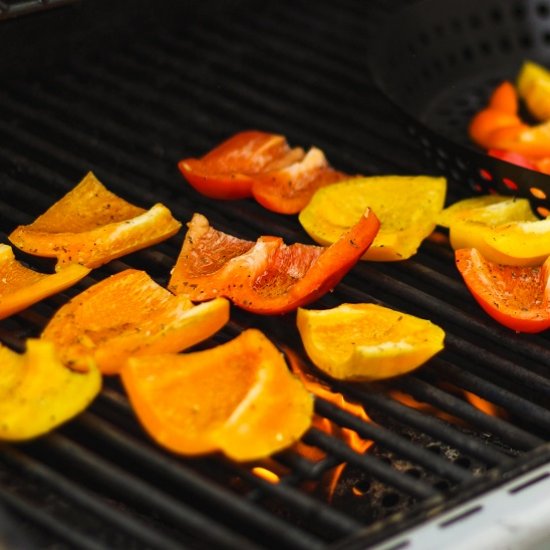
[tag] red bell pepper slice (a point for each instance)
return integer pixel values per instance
(512, 158)
(227, 171)
(518, 297)
(266, 276)
(262, 165)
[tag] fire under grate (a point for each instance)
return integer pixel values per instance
(129, 115)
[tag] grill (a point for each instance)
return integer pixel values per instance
(174, 82)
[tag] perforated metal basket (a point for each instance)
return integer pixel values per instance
(439, 60)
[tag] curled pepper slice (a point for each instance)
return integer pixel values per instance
(38, 393)
(518, 297)
(129, 314)
(238, 397)
(266, 276)
(90, 225)
(20, 287)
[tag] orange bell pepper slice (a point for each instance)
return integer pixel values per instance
(518, 297)
(263, 166)
(129, 314)
(499, 126)
(266, 276)
(20, 287)
(91, 225)
(238, 398)
(367, 342)
(38, 393)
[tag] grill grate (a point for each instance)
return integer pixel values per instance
(129, 115)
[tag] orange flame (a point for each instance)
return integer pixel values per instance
(478, 402)
(266, 474)
(483, 405)
(350, 437)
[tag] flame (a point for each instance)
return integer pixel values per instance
(478, 402)
(350, 437)
(267, 475)
(483, 405)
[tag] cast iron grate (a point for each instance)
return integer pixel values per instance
(129, 116)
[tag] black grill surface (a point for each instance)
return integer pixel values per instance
(175, 87)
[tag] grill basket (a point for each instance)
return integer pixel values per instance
(439, 61)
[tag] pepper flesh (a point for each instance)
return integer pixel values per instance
(38, 393)
(367, 341)
(90, 226)
(499, 126)
(260, 165)
(265, 276)
(407, 207)
(20, 287)
(238, 397)
(518, 297)
(129, 314)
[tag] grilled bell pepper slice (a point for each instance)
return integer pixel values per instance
(289, 189)
(38, 393)
(517, 297)
(260, 165)
(504, 230)
(238, 397)
(129, 314)
(407, 207)
(533, 85)
(266, 276)
(499, 126)
(20, 287)
(367, 341)
(90, 226)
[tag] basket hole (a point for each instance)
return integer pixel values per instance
(467, 54)
(537, 193)
(475, 21)
(496, 15)
(486, 175)
(519, 11)
(424, 39)
(414, 472)
(546, 37)
(525, 41)
(485, 48)
(543, 212)
(456, 25)
(542, 11)
(505, 44)
(510, 184)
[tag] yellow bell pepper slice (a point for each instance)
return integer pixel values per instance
(38, 393)
(533, 84)
(504, 231)
(367, 341)
(407, 207)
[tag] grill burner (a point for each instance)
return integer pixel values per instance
(177, 89)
